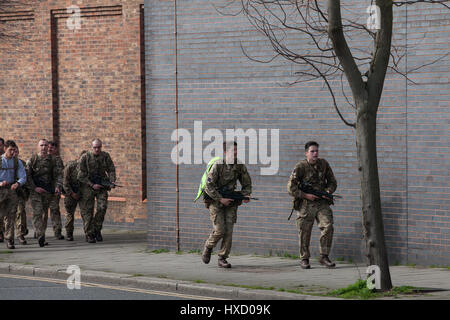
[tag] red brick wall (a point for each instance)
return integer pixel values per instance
(77, 85)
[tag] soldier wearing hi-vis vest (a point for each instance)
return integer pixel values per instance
(223, 175)
(97, 174)
(12, 176)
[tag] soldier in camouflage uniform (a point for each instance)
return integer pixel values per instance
(223, 211)
(12, 177)
(73, 194)
(95, 169)
(318, 173)
(55, 213)
(23, 195)
(44, 179)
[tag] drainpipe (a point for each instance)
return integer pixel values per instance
(176, 127)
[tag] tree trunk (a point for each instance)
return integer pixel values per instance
(370, 194)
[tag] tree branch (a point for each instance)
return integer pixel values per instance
(336, 34)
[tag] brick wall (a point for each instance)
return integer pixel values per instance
(73, 85)
(219, 86)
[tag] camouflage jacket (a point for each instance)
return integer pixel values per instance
(46, 169)
(70, 181)
(59, 163)
(320, 176)
(91, 166)
(225, 176)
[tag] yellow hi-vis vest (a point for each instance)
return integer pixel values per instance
(201, 187)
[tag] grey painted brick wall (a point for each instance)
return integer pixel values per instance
(222, 88)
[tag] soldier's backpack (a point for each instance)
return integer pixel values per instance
(201, 187)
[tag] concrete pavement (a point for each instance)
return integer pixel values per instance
(123, 259)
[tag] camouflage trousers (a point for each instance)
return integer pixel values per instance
(70, 204)
(93, 223)
(55, 214)
(40, 203)
(321, 212)
(21, 218)
(223, 219)
(8, 206)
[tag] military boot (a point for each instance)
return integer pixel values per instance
(206, 255)
(223, 263)
(69, 236)
(58, 235)
(325, 261)
(22, 239)
(90, 238)
(41, 241)
(305, 264)
(10, 244)
(98, 236)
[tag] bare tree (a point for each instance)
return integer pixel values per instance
(329, 57)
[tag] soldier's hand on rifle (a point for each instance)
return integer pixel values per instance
(3, 183)
(246, 200)
(40, 190)
(310, 197)
(97, 187)
(226, 201)
(14, 186)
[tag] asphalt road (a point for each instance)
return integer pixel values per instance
(16, 287)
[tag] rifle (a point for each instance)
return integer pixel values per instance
(225, 193)
(235, 195)
(108, 184)
(307, 188)
(104, 182)
(41, 183)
